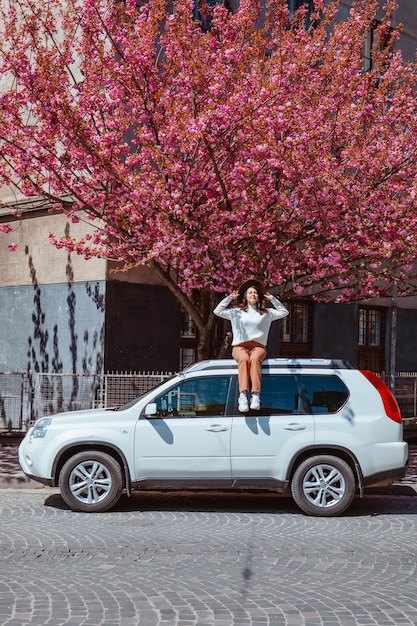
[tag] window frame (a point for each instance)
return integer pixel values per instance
(365, 330)
(371, 355)
(292, 347)
(371, 42)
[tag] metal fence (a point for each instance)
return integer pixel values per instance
(25, 397)
(404, 386)
(13, 400)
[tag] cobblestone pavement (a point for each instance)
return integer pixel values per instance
(206, 560)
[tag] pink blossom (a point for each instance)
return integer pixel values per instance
(199, 155)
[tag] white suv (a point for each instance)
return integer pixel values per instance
(325, 431)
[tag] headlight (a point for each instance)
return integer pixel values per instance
(40, 428)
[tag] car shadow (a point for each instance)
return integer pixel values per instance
(396, 500)
(194, 501)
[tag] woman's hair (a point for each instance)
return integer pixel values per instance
(260, 305)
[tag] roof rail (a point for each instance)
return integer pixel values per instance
(272, 363)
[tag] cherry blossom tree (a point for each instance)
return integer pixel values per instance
(245, 144)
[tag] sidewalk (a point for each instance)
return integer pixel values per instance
(11, 475)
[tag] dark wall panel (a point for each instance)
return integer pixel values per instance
(273, 340)
(406, 341)
(335, 332)
(142, 328)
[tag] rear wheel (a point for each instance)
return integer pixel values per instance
(323, 485)
(91, 481)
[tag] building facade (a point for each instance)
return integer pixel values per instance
(61, 313)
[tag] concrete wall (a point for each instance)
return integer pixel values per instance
(36, 259)
(52, 328)
(406, 16)
(51, 302)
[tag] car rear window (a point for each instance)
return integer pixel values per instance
(326, 394)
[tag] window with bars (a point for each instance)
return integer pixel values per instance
(373, 41)
(188, 356)
(368, 46)
(203, 10)
(370, 326)
(296, 330)
(294, 5)
(188, 328)
(371, 338)
(188, 340)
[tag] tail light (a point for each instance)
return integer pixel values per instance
(390, 404)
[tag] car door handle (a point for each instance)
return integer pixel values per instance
(295, 426)
(216, 428)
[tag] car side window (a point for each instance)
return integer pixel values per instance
(280, 395)
(205, 396)
(326, 394)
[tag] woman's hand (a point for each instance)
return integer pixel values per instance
(268, 296)
(234, 295)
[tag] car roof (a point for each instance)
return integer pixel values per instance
(274, 363)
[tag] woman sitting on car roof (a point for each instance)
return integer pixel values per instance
(251, 321)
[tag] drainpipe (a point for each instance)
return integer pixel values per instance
(393, 342)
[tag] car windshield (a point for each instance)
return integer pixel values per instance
(131, 403)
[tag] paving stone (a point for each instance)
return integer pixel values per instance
(194, 559)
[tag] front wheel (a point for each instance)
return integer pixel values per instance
(323, 485)
(91, 481)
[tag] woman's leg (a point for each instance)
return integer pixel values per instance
(241, 355)
(256, 355)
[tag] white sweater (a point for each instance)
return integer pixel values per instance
(250, 325)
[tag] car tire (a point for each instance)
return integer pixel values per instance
(323, 486)
(91, 481)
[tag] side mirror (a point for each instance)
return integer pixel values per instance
(151, 409)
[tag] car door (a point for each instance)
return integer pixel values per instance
(189, 437)
(265, 441)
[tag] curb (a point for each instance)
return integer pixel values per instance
(19, 482)
(396, 489)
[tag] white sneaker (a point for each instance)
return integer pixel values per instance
(243, 405)
(255, 402)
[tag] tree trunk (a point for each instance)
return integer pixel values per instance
(199, 306)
